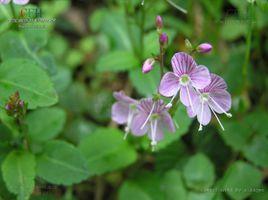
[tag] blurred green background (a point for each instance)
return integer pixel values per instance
(95, 47)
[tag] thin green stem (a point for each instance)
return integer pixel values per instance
(142, 24)
(248, 46)
(13, 10)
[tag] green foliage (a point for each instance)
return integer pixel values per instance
(199, 172)
(18, 173)
(45, 124)
(61, 163)
(106, 151)
(237, 179)
(30, 80)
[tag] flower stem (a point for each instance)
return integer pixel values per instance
(161, 60)
(142, 23)
(248, 46)
(12, 10)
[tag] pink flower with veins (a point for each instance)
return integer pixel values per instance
(186, 77)
(213, 98)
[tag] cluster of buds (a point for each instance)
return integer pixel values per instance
(16, 107)
(163, 41)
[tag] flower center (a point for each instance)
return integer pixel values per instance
(184, 80)
(204, 97)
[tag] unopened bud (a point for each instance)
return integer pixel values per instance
(204, 48)
(148, 65)
(188, 44)
(163, 38)
(158, 22)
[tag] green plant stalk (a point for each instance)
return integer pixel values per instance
(161, 60)
(13, 10)
(128, 22)
(248, 47)
(142, 23)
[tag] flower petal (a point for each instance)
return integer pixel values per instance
(120, 112)
(21, 2)
(217, 83)
(200, 77)
(184, 97)
(190, 112)
(137, 123)
(121, 96)
(220, 100)
(159, 135)
(169, 85)
(167, 122)
(205, 116)
(182, 63)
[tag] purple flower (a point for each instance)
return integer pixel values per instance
(19, 2)
(124, 110)
(148, 65)
(213, 98)
(185, 77)
(204, 48)
(152, 117)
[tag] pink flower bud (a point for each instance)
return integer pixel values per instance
(148, 65)
(163, 38)
(204, 48)
(159, 22)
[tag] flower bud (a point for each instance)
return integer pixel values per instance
(159, 22)
(163, 39)
(148, 65)
(204, 48)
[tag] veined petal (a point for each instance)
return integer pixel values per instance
(120, 112)
(121, 96)
(169, 85)
(200, 77)
(167, 122)
(158, 133)
(217, 83)
(204, 116)
(21, 2)
(220, 101)
(4, 1)
(136, 124)
(190, 112)
(184, 97)
(182, 63)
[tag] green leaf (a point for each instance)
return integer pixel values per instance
(151, 186)
(199, 172)
(62, 164)
(172, 186)
(183, 121)
(241, 177)
(117, 61)
(200, 196)
(256, 151)
(30, 80)
(19, 172)
(235, 134)
(16, 45)
(46, 123)
(145, 84)
(106, 151)
(260, 126)
(232, 29)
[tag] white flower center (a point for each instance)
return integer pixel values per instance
(204, 97)
(184, 80)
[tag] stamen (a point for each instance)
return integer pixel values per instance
(202, 109)
(129, 120)
(150, 114)
(153, 134)
(176, 124)
(169, 105)
(227, 114)
(218, 119)
(188, 94)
